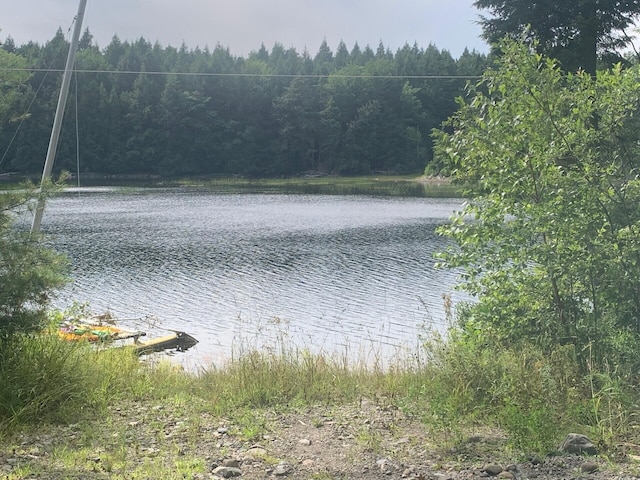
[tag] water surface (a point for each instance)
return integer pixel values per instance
(332, 273)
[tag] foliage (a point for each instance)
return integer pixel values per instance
(44, 378)
(207, 112)
(611, 407)
(574, 31)
(263, 379)
(29, 271)
(12, 81)
(550, 243)
(535, 397)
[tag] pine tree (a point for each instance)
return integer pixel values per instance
(573, 31)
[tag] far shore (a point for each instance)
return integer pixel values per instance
(311, 183)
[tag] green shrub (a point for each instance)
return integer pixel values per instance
(44, 378)
(533, 429)
(528, 393)
(549, 241)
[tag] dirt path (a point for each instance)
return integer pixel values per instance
(364, 441)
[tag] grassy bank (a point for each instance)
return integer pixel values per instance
(398, 186)
(379, 185)
(110, 406)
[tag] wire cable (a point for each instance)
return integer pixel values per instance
(250, 75)
(25, 115)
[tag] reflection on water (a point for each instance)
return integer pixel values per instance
(330, 272)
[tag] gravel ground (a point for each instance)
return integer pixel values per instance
(363, 441)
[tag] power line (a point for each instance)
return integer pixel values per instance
(26, 114)
(250, 75)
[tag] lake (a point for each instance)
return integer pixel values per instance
(352, 275)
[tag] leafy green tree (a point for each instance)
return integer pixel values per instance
(95, 118)
(143, 147)
(549, 243)
(12, 80)
(342, 57)
(28, 271)
(573, 31)
(30, 145)
(297, 111)
(191, 132)
(230, 115)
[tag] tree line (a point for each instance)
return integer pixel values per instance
(141, 108)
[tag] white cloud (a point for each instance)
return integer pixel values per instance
(243, 25)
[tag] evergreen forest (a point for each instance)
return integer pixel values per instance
(141, 108)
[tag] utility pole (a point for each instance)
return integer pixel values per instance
(57, 121)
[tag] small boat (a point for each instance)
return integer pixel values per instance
(107, 333)
(178, 341)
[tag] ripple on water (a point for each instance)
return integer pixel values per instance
(330, 271)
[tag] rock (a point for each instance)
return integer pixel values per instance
(442, 476)
(150, 452)
(231, 462)
(201, 476)
(383, 465)
(227, 472)
(577, 444)
(589, 467)
(492, 469)
(282, 469)
(506, 474)
(256, 453)
(408, 471)
(305, 442)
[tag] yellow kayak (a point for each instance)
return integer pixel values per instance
(94, 333)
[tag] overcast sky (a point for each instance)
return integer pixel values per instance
(243, 25)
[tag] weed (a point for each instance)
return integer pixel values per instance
(323, 476)
(369, 439)
(21, 472)
(186, 468)
(532, 430)
(252, 426)
(610, 409)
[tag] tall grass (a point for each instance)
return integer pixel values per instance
(536, 397)
(452, 384)
(261, 379)
(43, 378)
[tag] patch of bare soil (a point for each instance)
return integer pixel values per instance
(362, 441)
